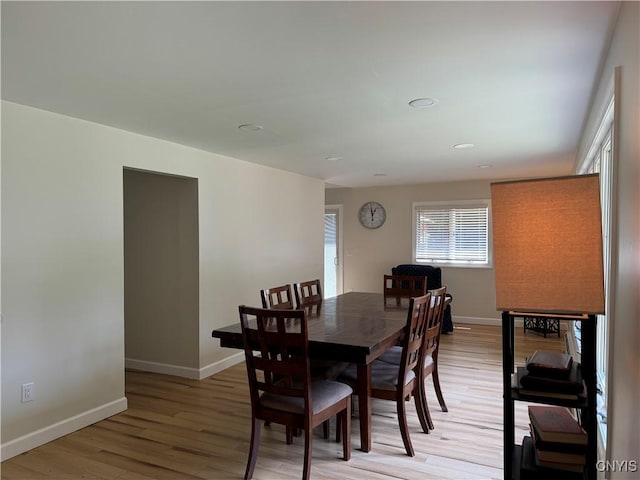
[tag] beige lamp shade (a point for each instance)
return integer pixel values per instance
(547, 245)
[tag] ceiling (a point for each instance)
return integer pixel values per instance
(323, 80)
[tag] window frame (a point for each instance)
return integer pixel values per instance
(601, 159)
(442, 205)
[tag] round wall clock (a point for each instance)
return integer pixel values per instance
(372, 215)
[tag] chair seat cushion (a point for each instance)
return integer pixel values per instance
(384, 376)
(393, 356)
(324, 394)
(326, 369)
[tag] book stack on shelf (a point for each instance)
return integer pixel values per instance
(557, 446)
(551, 376)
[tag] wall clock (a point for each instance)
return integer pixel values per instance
(372, 215)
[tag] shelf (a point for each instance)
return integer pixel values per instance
(513, 454)
(559, 316)
(580, 403)
(540, 397)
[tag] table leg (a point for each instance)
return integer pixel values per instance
(364, 405)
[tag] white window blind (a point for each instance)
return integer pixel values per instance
(455, 234)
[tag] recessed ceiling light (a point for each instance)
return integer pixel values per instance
(250, 127)
(423, 102)
(333, 159)
(485, 166)
(463, 146)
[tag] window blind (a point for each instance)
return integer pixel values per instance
(452, 234)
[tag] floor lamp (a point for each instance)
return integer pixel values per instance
(547, 248)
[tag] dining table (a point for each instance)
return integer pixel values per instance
(354, 327)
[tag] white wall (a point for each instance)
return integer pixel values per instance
(62, 259)
(624, 364)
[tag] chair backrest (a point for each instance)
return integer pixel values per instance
(308, 296)
(403, 286)
(277, 297)
(434, 324)
(415, 330)
(276, 348)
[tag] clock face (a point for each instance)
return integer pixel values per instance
(372, 215)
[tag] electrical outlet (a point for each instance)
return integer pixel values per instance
(28, 392)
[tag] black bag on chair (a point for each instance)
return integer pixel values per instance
(434, 280)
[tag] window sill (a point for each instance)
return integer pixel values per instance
(454, 265)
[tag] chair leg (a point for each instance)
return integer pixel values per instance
(425, 406)
(351, 413)
(289, 435)
(436, 385)
(344, 423)
(253, 449)
(404, 427)
(306, 469)
(422, 415)
(325, 429)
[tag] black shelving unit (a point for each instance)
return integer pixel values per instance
(587, 408)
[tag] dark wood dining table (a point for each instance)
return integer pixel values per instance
(354, 327)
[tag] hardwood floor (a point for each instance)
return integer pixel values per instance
(185, 429)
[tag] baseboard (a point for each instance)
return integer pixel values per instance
(221, 365)
(168, 369)
(60, 429)
(518, 322)
(476, 321)
(185, 372)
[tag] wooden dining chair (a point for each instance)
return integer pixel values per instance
(403, 286)
(280, 298)
(276, 347)
(431, 343)
(430, 349)
(277, 297)
(310, 300)
(308, 296)
(399, 382)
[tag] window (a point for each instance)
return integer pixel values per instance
(599, 159)
(453, 233)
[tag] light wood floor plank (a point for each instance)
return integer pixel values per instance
(178, 428)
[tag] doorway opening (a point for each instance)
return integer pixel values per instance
(161, 272)
(333, 251)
